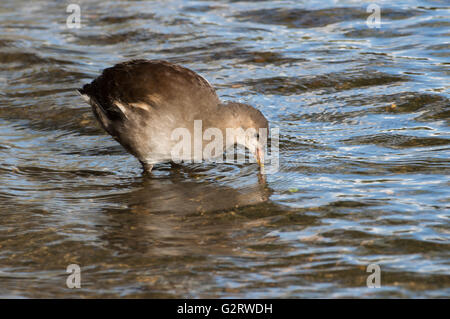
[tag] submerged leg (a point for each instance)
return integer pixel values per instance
(147, 167)
(175, 165)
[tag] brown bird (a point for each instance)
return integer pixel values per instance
(141, 103)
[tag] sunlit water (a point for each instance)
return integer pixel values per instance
(363, 115)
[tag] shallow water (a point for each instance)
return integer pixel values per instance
(364, 153)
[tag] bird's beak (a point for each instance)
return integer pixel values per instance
(260, 157)
(259, 154)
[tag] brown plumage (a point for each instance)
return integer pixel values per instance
(141, 102)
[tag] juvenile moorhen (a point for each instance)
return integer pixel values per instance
(141, 102)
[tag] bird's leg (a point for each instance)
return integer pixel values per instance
(175, 165)
(176, 169)
(147, 167)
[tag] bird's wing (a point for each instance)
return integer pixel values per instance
(139, 85)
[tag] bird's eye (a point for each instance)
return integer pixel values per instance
(257, 135)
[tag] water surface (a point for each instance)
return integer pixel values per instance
(364, 153)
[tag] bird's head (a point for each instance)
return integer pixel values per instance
(250, 128)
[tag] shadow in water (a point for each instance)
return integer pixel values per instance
(175, 216)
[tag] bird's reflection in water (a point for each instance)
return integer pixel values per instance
(175, 216)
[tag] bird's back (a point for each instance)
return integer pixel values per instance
(141, 102)
(156, 84)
